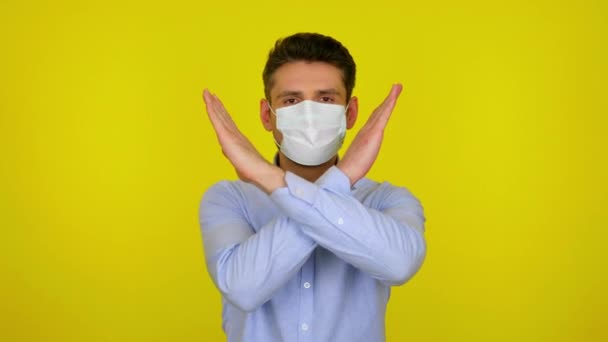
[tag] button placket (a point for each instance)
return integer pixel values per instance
(306, 300)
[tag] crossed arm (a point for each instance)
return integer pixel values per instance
(248, 268)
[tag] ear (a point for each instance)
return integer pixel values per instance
(266, 115)
(352, 112)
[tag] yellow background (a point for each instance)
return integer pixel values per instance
(106, 151)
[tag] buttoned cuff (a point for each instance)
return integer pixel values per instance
(335, 180)
(301, 188)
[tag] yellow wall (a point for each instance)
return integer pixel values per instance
(106, 151)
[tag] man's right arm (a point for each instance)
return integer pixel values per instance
(248, 267)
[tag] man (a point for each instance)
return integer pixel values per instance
(306, 249)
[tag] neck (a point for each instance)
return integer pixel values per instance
(310, 173)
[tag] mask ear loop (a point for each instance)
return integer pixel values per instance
(346, 109)
(276, 117)
(271, 110)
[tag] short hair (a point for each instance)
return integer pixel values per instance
(310, 47)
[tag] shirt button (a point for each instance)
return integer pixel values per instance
(299, 192)
(306, 285)
(340, 221)
(304, 326)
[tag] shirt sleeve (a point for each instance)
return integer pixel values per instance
(387, 243)
(248, 267)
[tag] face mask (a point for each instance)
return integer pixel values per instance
(313, 132)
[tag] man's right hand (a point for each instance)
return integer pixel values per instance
(362, 152)
(249, 164)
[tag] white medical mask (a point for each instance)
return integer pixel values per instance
(313, 132)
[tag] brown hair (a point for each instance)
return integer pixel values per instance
(311, 47)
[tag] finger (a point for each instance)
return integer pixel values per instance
(386, 112)
(212, 112)
(229, 126)
(224, 116)
(216, 111)
(393, 96)
(219, 106)
(229, 123)
(208, 98)
(396, 90)
(388, 103)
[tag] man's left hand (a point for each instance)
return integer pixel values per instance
(364, 148)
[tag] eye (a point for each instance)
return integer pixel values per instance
(328, 99)
(290, 101)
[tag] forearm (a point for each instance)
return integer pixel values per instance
(249, 273)
(388, 247)
(371, 241)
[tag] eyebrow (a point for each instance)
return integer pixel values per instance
(289, 93)
(331, 91)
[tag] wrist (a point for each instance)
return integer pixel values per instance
(271, 179)
(346, 171)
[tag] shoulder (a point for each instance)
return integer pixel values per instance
(226, 194)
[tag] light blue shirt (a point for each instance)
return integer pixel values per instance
(312, 261)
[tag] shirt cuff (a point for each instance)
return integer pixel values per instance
(335, 180)
(301, 188)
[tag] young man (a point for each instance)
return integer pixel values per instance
(306, 249)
